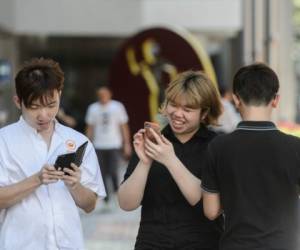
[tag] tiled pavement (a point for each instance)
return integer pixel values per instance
(110, 228)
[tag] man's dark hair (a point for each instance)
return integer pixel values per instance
(37, 79)
(103, 86)
(256, 84)
(224, 89)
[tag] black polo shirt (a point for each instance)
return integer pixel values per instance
(166, 215)
(256, 170)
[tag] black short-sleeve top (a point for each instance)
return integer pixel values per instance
(163, 202)
(256, 171)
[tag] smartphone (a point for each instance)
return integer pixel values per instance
(155, 127)
(65, 160)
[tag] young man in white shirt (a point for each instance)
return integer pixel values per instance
(38, 203)
(107, 127)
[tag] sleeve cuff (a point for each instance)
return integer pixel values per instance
(101, 193)
(209, 190)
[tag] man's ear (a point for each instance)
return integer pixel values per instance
(236, 100)
(275, 101)
(17, 101)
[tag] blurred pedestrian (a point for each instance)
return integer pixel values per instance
(252, 174)
(164, 175)
(107, 127)
(3, 110)
(230, 117)
(38, 203)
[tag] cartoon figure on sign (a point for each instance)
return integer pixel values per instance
(146, 63)
(152, 68)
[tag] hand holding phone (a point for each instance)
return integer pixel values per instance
(155, 127)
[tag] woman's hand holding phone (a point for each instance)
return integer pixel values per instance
(155, 127)
(139, 146)
(159, 147)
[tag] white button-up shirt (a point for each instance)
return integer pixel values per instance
(48, 218)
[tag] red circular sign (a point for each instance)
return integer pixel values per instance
(146, 63)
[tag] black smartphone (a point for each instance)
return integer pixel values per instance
(65, 160)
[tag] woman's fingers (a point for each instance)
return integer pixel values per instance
(155, 135)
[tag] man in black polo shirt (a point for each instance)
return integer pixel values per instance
(252, 174)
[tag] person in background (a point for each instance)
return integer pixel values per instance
(3, 110)
(253, 174)
(107, 127)
(164, 175)
(230, 117)
(38, 203)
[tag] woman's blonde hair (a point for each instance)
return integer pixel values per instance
(200, 93)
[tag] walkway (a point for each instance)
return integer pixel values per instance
(110, 228)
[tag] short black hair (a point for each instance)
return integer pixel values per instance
(104, 86)
(38, 78)
(256, 84)
(223, 89)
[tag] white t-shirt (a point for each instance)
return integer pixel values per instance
(229, 118)
(48, 218)
(106, 120)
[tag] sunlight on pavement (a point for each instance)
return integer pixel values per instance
(110, 228)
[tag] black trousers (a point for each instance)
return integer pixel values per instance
(109, 161)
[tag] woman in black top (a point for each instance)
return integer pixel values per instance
(164, 176)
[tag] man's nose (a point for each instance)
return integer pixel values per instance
(43, 113)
